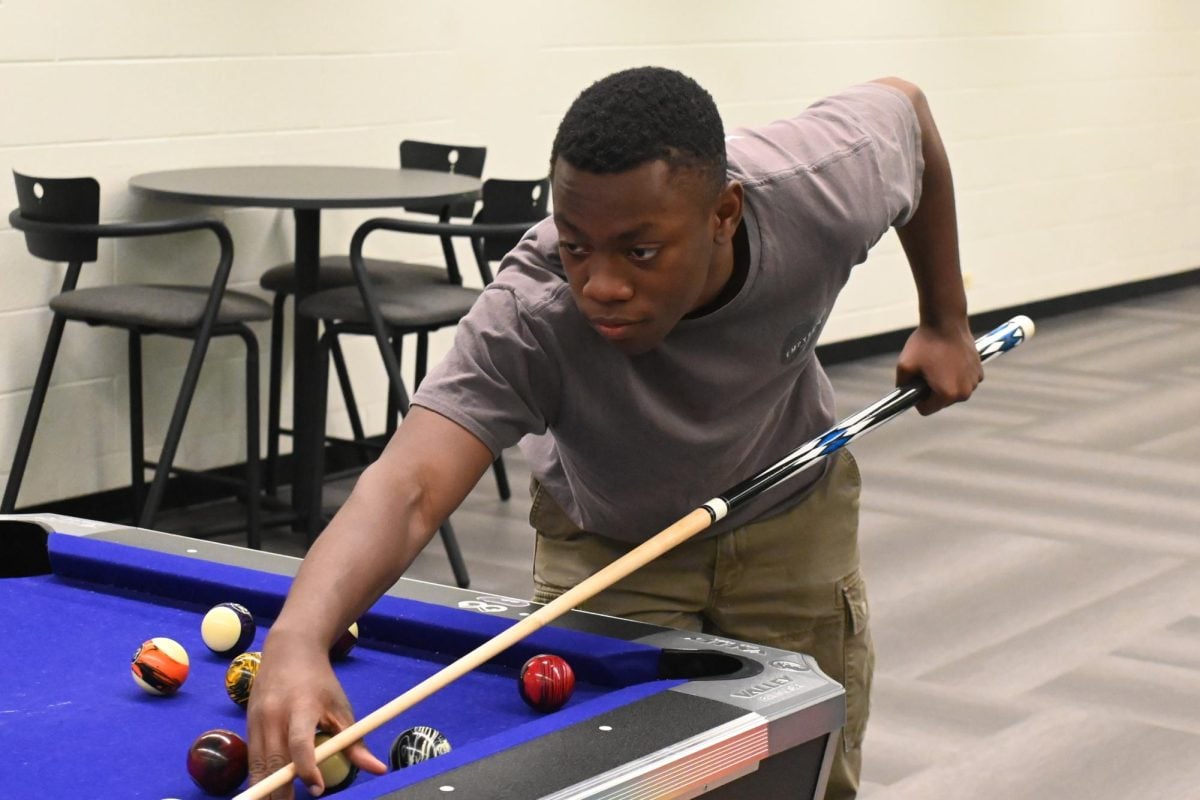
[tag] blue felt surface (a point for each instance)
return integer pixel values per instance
(76, 725)
(398, 622)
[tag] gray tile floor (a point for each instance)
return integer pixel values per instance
(1033, 559)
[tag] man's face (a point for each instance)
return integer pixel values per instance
(642, 248)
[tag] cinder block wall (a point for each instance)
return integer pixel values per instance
(1072, 129)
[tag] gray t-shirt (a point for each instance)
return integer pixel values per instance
(628, 444)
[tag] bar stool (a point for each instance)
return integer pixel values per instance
(335, 271)
(391, 309)
(60, 220)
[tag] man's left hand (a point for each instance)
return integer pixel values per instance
(946, 358)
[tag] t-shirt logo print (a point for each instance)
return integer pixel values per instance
(800, 340)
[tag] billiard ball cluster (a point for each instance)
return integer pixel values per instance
(218, 759)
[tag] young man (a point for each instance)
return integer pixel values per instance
(650, 345)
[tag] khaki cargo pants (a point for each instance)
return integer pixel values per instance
(791, 582)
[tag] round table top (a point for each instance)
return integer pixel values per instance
(307, 187)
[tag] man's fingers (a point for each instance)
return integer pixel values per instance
(944, 395)
(338, 719)
(361, 756)
(949, 380)
(268, 750)
(301, 743)
(905, 373)
(274, 764)
(262, 766)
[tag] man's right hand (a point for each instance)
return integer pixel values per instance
(294, 694)
(427, 468)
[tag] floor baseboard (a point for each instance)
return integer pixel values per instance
(893, 341)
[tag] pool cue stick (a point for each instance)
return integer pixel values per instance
(990, 345)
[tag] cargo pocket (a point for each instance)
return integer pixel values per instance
(554, 549)
(547, 517)
(858, 655)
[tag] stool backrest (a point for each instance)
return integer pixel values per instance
(511, 201)
(75, 200)
(438, 157)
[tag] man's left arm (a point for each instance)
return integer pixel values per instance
(941, 349)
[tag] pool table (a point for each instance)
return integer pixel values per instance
(657, 713)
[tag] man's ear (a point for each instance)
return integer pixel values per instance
(728, 212)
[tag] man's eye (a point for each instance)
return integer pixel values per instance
(643, 253)
(570, 248)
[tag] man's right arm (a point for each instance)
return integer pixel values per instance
(424, 473)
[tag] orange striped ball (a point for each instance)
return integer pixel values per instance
(160, 665)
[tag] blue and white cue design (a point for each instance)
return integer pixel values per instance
(990, 345)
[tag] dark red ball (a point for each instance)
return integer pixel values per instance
(345, 643)
(546, 682)
(218, 761)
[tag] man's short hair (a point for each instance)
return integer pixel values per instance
(639, 115)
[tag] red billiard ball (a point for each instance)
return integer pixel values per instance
(546, 682)
(218, 761)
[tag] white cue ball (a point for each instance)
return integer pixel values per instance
(228, 629)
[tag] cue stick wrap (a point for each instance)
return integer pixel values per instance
(990, 345)
(994, 343)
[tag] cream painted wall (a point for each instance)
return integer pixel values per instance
(1073, 130)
